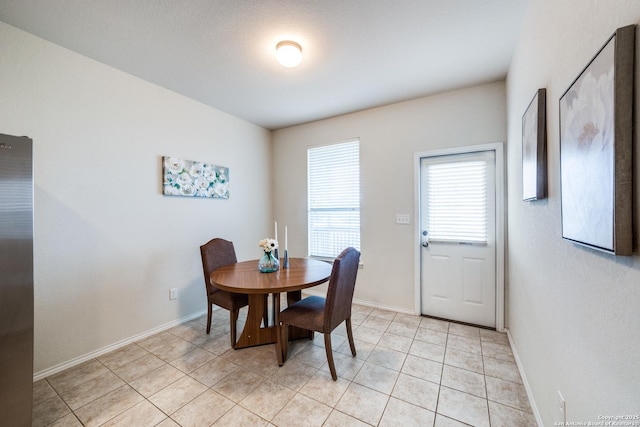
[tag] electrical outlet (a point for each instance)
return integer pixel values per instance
(562, 408)
(403, 219)
(173, 293)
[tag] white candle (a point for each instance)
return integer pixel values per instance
(286, 237)
(276, 230)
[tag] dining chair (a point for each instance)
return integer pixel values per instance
(323, 315)
(217, 253)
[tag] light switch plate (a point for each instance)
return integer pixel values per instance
(403, 219)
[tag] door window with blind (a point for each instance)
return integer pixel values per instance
(333, 179)
(457, 198)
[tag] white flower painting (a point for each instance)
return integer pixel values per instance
(194, 179)
(587, 154)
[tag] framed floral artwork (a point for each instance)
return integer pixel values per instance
(596, 135)
(534, 148)
(194, 179)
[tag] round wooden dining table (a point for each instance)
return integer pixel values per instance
(245, 278)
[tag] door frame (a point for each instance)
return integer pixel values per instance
(498, 148)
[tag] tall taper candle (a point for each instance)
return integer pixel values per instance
(276, 254)
(286, 239)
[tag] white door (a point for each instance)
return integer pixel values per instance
(458, 227)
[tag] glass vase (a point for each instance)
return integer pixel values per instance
(268, 263)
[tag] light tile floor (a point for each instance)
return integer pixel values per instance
(409, 371)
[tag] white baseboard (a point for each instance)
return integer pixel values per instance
(97, 353)
(532, 402)
(366, 303)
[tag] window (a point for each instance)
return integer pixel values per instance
(457, 198)
(334, 198)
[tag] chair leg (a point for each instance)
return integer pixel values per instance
(233, 318)
(265, 311)
(284, 338)
(275, 307)
(350, 336)
(280, 345)
(327, 348)
(209, 310)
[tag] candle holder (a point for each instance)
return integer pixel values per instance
(285, 264)
(275, 254)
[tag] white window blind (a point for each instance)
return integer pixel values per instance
(333, 198)
(457, 201)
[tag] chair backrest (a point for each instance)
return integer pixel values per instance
(216, 253)
(342, 283)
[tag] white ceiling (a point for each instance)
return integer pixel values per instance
(357, 54)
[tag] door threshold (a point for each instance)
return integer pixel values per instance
(458, 322)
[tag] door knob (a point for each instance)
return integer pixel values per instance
(425, 239)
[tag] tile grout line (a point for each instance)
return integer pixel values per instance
(486, 388)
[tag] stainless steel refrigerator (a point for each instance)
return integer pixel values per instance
(16, 280)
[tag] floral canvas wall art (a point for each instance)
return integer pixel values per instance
(194, 179)
(595, 150)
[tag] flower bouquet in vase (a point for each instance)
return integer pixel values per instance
(268, 263)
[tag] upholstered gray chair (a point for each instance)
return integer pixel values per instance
(215, 254)
(323, 315)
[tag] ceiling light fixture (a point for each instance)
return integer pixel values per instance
(288, 53)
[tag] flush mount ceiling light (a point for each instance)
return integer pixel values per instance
(288, 53)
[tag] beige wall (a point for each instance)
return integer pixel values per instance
(389, 138)
(108, 245)
(573, 312)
